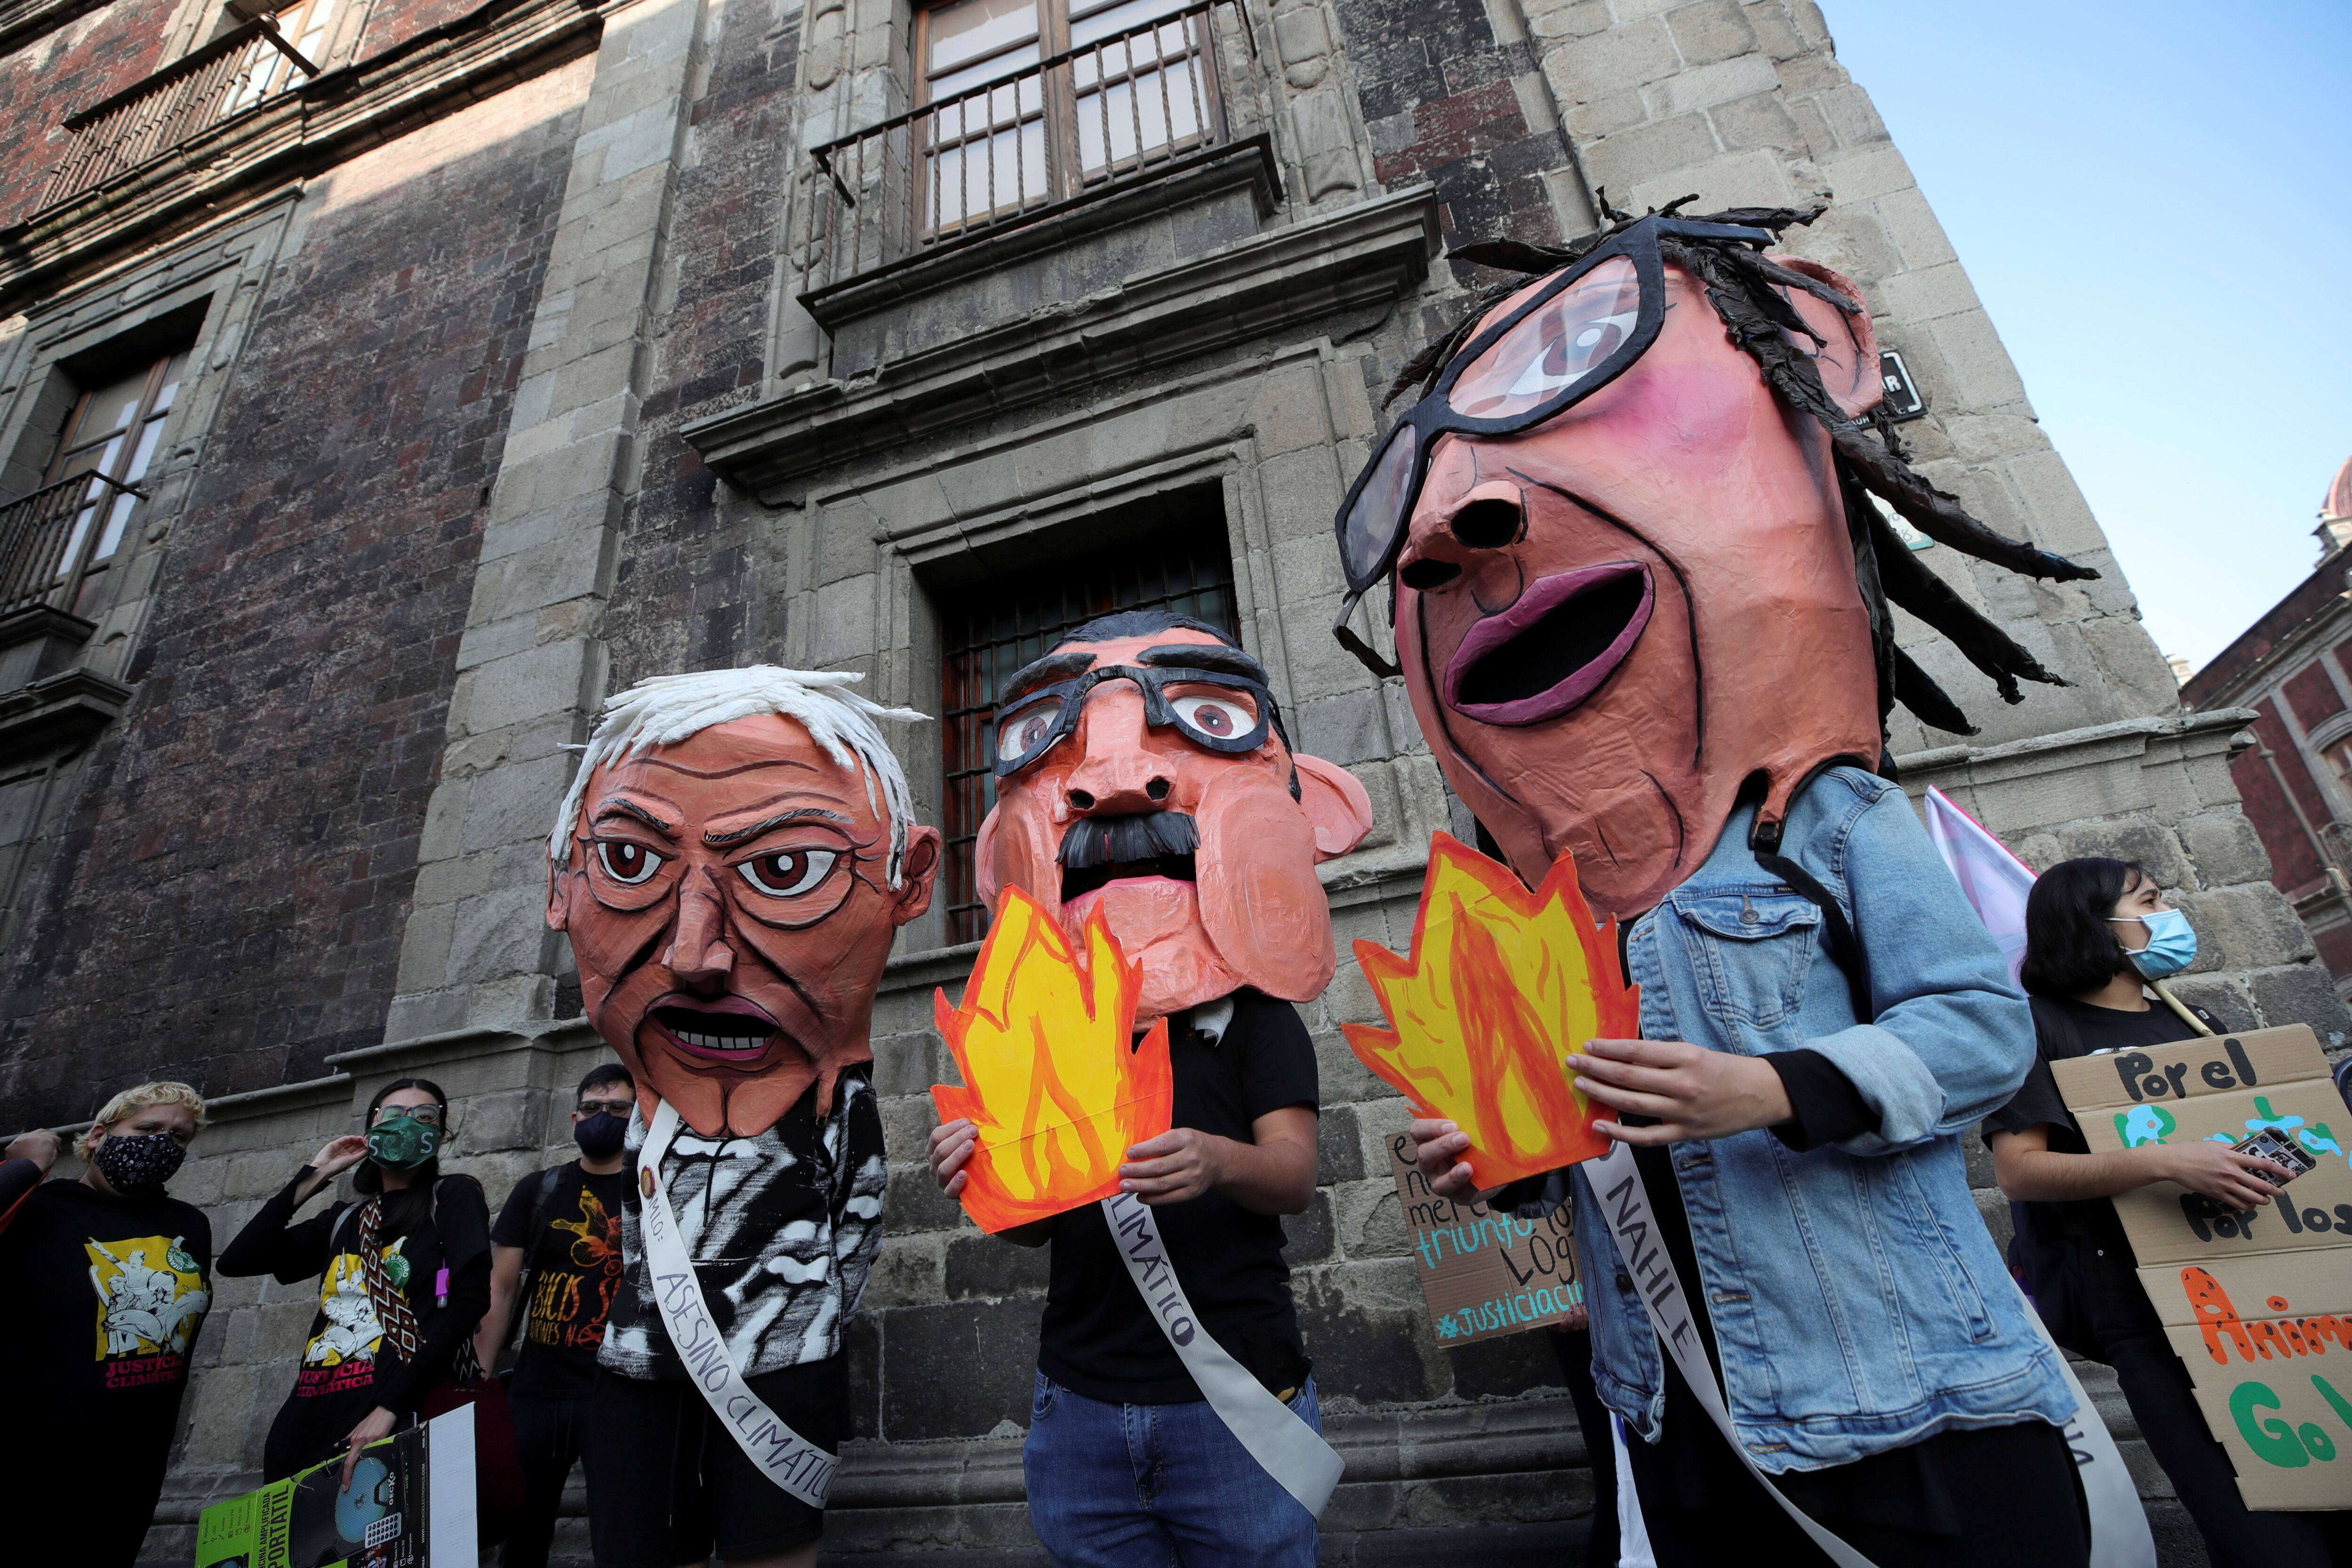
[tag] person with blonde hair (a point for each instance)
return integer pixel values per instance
(104, 1283)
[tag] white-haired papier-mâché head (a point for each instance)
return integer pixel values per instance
(667, 709)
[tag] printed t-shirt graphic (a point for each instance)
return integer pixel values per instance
(151, 1299)
(783, 1228)
(574, 1265)
(342, 1350)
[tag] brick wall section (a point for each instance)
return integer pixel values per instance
(1442, 99)
(229, 895)
(50, 78)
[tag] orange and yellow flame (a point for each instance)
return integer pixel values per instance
(1042, 1041)
(1502, 986)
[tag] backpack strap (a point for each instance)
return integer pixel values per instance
(518, 1321)
(1843, 947)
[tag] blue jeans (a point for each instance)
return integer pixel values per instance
(1149, 1486)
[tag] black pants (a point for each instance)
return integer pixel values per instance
(548, 1435)
(1999, 1496)
(1574, 1348)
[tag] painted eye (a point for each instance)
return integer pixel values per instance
(788, 873)
(627, 863)
(1219, 719)
(1025, 732)
(1564, 340)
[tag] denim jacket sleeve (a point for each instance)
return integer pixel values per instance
(1952, 1039)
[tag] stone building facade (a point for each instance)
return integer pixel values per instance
(2294, 668)
(519, 351)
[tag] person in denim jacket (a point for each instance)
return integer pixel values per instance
(1642, 581)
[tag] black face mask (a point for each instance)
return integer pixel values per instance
(138, 1165)
(600, 1136)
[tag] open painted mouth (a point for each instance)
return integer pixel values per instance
(1099, 850)
(1076, 884)
(1553, 648)
(721, 1028)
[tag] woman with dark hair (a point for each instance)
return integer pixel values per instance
(2096, 932)
(404, 1277)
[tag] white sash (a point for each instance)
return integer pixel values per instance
(1277, 1437)
(783, 1454)
(2120, 1534)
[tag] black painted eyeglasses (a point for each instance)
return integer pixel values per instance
(1576, 332)
(1211, 709)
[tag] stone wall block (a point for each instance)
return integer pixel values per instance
(516, 804)
(910, 1270)
(2302, 993)
(2225, 849)
(1707, 86)
(1709, 31)
(499, 933)
(497, 1122)
(1852, 116)
(2137, 839)
(2141, 682)
(1983, 373)
(1757, 121)
(1327, 144)
(1368, 1220)
(1757, 178)
(2246, 928)
(1600, 64)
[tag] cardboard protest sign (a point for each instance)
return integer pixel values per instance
(1052, 1082)
(2258, 1306)
(1484, 1272)
(410, 1505)
(1502, 986)
(2220, 1090)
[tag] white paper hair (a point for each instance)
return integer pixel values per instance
(668, 709)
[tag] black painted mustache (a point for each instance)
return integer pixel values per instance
(1093, 842)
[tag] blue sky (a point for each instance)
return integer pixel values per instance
(2107, 172)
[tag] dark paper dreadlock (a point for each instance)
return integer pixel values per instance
(1744, 286)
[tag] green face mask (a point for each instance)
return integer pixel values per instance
(401, 1143)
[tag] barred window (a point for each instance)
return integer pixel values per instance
(994, 628)
(1085, 90)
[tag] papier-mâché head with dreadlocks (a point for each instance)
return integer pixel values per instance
(1636, 562)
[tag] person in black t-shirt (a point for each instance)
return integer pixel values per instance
(391, 1326)
(104, 1283)
(2094, 930)
(1143, 773)
(561, 1225)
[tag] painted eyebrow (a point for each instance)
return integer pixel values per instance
(1053, 666)
(615, 804)
(782, 819)
(1204, 656)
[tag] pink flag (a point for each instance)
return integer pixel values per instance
(1995, 881)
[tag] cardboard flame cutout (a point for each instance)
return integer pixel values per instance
(1053, 1089)
(1502, 985)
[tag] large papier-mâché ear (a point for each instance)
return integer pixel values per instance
(1849, 362)
(1335, 802)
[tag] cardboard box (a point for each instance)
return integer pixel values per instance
(1484, 1272)
(2257, 1306)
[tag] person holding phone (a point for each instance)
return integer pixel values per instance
(2097, 932)
(403, 1274)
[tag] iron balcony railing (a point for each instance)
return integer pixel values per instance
(1065, 130)
(143, 122)
(45, 539)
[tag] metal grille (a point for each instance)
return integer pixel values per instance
(45, 537)
(986, 641)
(1126, 101)
(149, 118)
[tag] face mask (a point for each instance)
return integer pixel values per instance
(2172, 944)
(600, 1136)
(138, 1162)
(401, 1143)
